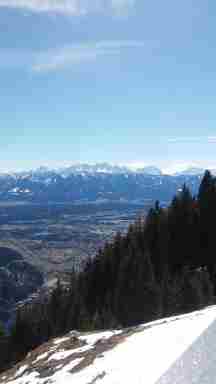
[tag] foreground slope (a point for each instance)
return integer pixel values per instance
(176, 350)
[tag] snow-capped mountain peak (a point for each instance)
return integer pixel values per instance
(85, 168)
(191, 171)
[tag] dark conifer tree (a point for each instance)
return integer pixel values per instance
(207, 206)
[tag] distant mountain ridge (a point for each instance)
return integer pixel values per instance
(191, 171)
(103, 167)
(95, 183)
(85, 168)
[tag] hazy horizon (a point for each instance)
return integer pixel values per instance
(133, 166)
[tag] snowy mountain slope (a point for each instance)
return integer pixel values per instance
(191, 171)
(173, 350)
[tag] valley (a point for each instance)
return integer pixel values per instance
(40, 243)
(55, 220)
(57, 237)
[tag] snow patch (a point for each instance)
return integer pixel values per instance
(41, 357)
(61, 355)
(92, 338)
(20, 371)
(61, 340)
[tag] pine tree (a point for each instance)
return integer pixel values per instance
(207, 206)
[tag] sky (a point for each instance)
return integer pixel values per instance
(122, 81)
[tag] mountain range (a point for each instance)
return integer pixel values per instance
(104, 167)
(95, 183)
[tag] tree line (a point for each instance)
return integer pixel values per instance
(165, 264)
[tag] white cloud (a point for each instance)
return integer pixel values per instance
(80, 53)
(211, 139)
(65, 6)
(71, 7)
(179, 166)
(192, 139)
(66, 56)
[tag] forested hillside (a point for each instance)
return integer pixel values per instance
(164, 265)
(18, 280)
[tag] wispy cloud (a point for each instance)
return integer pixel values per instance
(71, 7)
(193, 139)
(65, 57)
(81, 53)
(212, 139)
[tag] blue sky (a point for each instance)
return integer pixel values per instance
(124, 81)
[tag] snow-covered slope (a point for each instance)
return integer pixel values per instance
(174, 350)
